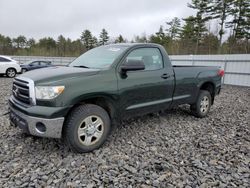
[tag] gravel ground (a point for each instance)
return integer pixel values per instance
(173, 149)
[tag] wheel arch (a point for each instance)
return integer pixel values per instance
(10, 68)
(104, 101)
(210, 87)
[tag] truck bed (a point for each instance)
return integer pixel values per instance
(187, 79)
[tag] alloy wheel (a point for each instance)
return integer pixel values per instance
(90, 130)
(204, 105)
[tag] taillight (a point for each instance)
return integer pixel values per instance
(221, 72)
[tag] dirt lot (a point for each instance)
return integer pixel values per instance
(173, 149)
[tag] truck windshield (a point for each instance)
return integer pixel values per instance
(99, 58)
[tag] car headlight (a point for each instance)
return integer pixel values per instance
(48, 92)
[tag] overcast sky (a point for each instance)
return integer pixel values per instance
(41, 18)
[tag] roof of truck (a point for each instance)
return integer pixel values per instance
(133, 44)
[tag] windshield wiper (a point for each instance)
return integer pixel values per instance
(81, 66)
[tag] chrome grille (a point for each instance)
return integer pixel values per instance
(20, 91)
(24, 91)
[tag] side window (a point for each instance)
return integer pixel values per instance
(35, 63)
(43, 63)
(151, 57)
(4, 60)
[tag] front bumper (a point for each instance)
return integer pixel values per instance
(37, 126)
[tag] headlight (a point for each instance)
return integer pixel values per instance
(48, 92)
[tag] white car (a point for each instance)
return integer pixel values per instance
(9, 67)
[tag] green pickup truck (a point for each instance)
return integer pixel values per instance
(81, 101)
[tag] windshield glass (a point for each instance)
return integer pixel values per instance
(100, 58)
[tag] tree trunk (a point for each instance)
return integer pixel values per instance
(223, 18)
(247, 46)
(238, 20)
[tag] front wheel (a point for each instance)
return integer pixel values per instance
(11, 73)
(203, 103)
(86, 128)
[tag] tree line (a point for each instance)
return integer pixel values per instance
(48, 46)
(218, 26)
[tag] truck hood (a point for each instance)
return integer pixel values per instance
(53, 74)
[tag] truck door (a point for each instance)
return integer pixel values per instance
(146, 90)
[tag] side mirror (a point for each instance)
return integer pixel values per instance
(132, 65)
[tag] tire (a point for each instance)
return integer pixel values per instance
(24, 70)
(86, 128)
(203, 104)
(11, 72)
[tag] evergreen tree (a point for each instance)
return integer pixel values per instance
(31, 43)
(159, 37)
(188, 29)
(93, 42)
(203, 7)
(20, 41)
(161, 33)
(240, 22)
(141, 39)
(188, 35)
(87, 39)
(174, 27)
(47, 43)
(61, 45)
(209, 44)
(220, 10)
(104, 38)
(68, 47)
(120, 39)
(77, 48)
(240, 27)
(5, 45)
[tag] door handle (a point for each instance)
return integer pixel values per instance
(165, 76)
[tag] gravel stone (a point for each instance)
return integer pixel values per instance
(170, 149)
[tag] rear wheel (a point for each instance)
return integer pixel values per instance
(202, 106)
(86, 128)
(11, 72)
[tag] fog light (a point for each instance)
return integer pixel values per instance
(40, 127)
